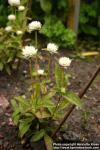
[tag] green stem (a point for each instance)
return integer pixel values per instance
(36, 41)
(30, 68)
(49, 64)
(56, 107)
(13, 10)
(36, 45)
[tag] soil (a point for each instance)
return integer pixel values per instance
(82, 125)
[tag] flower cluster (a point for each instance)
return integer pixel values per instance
(29, 51)
(34, 25)
(40, 72)
(8, 28)
(19, 32)
(52, 48)
(65, 61)
(21, 8)
(11, 17)
(14, 2)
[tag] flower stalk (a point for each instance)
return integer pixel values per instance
(49, 64)
(30, 68)
(36, 39)
(57, 105)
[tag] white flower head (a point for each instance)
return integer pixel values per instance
(34, 25)
(52, 48)
(21, 8)
(40, 71)
(65, 61)
(19, 32)
(14, 2)
(8, 28)
(11, 17)
(29, 51)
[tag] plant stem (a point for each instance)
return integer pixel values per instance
(30, 68)
(49, 64)
(36, 41)
(36, 45)
(56, 107)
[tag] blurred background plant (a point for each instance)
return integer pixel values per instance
(11, 37)
(55, 13)
(90, 18)
(58, 10)
(3, 13)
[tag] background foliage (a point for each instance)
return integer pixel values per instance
(3, 12)
(10, 42)
(46, 9)
(90, 18)
(53, 14)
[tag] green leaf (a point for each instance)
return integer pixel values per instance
(67, 77)
(14, 66)
(16, 118)
(47, 103)
(63, 104)
(1, 66)
(14, 104)
(8, 69)
(27, 120)
(48, 142)
(49, 95)
(58, 115)
(23, 103)
(37, 91)
(2, 46)
(38, 135)
(88, 29)
(16, 115)
(41, 114)
(59, 76)
(73, 98)
(24, 127)
(10, 58)
(46, 5)
(16, 112)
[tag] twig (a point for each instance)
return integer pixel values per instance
(81, 94)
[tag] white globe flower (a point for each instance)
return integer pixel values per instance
(29, 51)
(34, 25)
(14, 2)
(19, 32)
(65, 61)
(21, 8)
(40, 71)
(52, 48)
(8, 28)
(11, 17)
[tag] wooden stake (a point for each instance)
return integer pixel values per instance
(73, 16)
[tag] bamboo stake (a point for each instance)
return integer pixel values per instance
(81, 94)
(73, 17)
